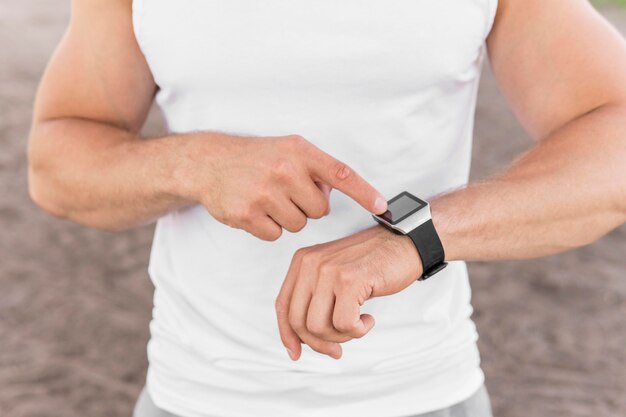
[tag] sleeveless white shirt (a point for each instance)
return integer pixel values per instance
(389, 87)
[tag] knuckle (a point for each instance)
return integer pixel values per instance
(311, 259)
(300, 224)
(280, 306)
(345, 280)
(282, 170)
(316, 328)
(327, 270)
(295, 324)
(340, 171)
(325, 207)
(291, 229)
(292, 226)
(296, 140)
(263, 196)
(300, 253)
(274, 234)
(315, 214)
(321, 211)
(343, 325)
(243, 214)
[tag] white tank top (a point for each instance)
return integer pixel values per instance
(387, 86)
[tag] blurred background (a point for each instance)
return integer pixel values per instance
(75, 303)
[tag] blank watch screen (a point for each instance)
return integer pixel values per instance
(401, 207)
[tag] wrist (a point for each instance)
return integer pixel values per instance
(411, 216)
(181, 166)
(190, 171)
(161, 166)
(404, 247)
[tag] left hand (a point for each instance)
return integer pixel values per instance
(320, 299)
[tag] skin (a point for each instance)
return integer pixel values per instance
(561, 67)
(91, 103)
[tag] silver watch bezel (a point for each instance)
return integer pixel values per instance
(411, 223)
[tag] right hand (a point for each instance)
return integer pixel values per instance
(265, 184)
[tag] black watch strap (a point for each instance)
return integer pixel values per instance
(429, 247)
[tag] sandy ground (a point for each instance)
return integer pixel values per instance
(75, 303)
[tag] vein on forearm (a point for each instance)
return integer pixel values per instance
(99, 174)
(565, 192)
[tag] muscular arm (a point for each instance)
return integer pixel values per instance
(562, 68)
(86, 159)
(87, 162)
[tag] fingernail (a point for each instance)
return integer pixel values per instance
(290, 354)
(380, 206)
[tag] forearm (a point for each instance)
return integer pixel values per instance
(103, 176)
(566, 192)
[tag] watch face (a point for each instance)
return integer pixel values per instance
(402, 206)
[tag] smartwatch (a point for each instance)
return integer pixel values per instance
(410, 216)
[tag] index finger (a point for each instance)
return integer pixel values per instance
(339, 175)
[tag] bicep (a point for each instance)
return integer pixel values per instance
(555, 61)
(97, 71)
